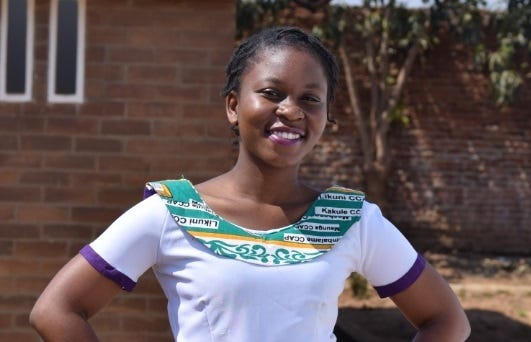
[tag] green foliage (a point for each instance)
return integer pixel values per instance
(331, 29)
(509, 60)
(251, 15)
(358, 285)
(504, 61)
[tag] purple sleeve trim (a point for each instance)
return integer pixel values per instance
(102, 266)
(149, 191)
(405, 281)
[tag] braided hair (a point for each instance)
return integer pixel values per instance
(277, 37)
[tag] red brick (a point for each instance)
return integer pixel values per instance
(160, 145)
(57, 109)
(185, 94)
(151, 37)
(128, 304)
(6, 321)
(17, 230)
(70, 195)
(106, 109)
(131, 55)
(75, 246)
(205, 40)
(45, 177)
(8, 123)
(106, 321)
(70, 161)
(119, 164)
(98, 35)
(28, 335)
(102, 145)
(148, 284)
(152, 73)
(126, 127)
(19, 194)
(45, 143)
(40, 249)
(17, 303)
(202, 110)
(95, 214)
(203, 75)
(9, 142)
(158, 304)
(8, 176)
(154, 110)
(71, 232)
(182, 56)
(120, 196)
(131, 91)
(105, 72)
(95, 179)
(138, 179)
(219, 58)
(70, 126)
(7, 212)
(179, 128)
(146, 323)
(130, 18)
(95, 54)
(6, 247)
(33, 213)
(31, 124)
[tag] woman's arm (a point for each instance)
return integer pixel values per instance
(74, 295)
(432, 307)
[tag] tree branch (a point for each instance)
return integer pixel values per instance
(355, 104)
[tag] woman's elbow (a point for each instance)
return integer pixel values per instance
(37, 317)
(449, 327)
(464, 327)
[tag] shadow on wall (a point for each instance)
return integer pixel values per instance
(388, 325)
(461, 173)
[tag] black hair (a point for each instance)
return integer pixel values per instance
(274, 37)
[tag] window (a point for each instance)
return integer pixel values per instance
(16, 50)
(66, 58)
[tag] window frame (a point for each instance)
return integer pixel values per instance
(30, 43)
(78, 96)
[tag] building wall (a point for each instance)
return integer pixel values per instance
(152, 110)
(460, 171)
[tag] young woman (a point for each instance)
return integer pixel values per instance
(255, 254)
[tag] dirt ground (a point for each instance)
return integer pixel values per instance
(495, 292)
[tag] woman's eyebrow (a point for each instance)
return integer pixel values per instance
(276, 80)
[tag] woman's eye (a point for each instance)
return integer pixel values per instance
(270, 93)
(311, 99)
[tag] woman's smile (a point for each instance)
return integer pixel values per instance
(285, 135)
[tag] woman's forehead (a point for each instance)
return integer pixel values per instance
(286, 58)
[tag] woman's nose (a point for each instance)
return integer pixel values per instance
(290, 111)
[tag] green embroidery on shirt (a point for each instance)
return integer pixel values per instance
(330, 216)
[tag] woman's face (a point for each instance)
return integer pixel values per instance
(281, 107)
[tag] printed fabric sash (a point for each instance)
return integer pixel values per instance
(324, 223)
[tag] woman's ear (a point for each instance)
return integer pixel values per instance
(231, 107)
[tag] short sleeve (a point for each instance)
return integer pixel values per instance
(129, 246)
(388, 261)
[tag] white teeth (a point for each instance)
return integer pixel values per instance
(287, 135)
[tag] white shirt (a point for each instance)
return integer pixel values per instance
(214, 298)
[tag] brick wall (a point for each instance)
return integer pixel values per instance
(152, 110)
(461, 170)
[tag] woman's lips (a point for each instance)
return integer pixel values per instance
(285, 136)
